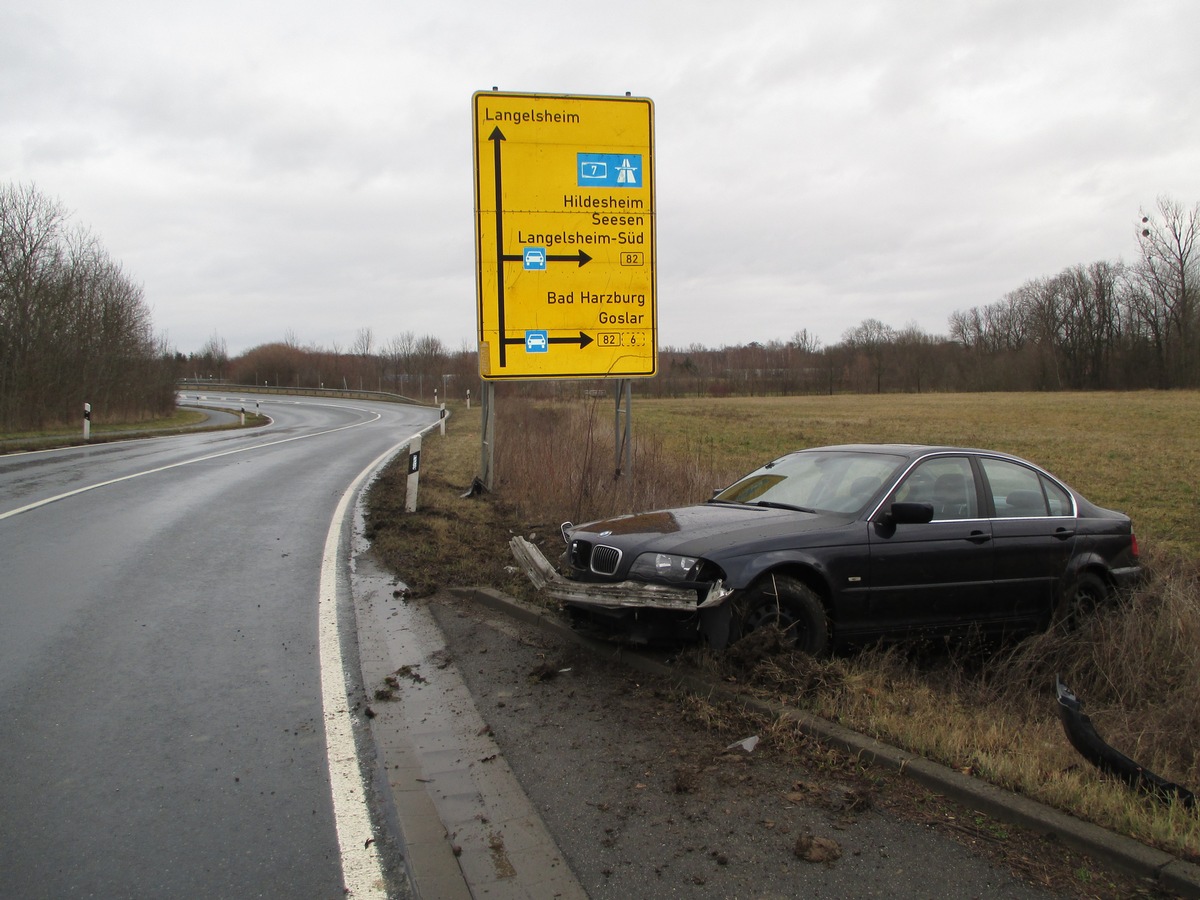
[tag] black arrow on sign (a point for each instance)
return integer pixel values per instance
(582, 258)
(497, 137)
(583, 340)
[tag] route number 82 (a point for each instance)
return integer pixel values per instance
(619, 339)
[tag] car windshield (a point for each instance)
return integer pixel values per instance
(838, 481)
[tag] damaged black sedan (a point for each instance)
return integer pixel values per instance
(846, 544)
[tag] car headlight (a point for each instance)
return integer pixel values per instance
(664, 567)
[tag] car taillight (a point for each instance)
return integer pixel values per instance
(1133, 544)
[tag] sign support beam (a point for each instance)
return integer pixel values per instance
(623, 438)
(487, 412)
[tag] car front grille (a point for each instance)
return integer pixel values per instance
(605, 560)
(597, 558)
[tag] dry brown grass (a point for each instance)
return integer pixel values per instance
(452, 541)
(1136, 668)
(557, 462)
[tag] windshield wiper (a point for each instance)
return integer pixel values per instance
(773, 505)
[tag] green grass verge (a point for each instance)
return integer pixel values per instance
(183, 419)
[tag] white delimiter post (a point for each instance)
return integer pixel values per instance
(414, 471)
(87, 421)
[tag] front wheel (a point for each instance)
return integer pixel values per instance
(790, 605)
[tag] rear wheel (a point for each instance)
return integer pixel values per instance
(1081, 598)
(788, 604)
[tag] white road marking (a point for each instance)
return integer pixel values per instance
(186, 462)
(362, 870)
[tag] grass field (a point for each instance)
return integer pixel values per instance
(1136, 667)
(1136, 452)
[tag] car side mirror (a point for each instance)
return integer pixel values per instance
(904, 513)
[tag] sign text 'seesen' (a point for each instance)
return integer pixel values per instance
(565, 236)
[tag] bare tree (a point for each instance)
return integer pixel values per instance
(398, 356)
(914, 356)
(364, 341)
(73, 325)
(805, 342)
(213, 357)
(1168, 272)
(367, 365)
(872, 340)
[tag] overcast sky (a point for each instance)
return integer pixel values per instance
(305, 169)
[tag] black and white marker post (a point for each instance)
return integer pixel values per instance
(87, 421)
(414, 470)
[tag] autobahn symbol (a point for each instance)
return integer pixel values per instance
(565, 241)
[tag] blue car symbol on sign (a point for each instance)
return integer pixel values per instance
(537, 341)
(535, 258)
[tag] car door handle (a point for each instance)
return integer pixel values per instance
(1063, 533)
(979, 537)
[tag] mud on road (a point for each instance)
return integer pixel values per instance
(649, 792)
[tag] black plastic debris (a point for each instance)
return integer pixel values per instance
(1084, 738)
(477, 487)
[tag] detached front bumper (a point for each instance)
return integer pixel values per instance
(620, 595)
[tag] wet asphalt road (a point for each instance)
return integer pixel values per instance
(160, 701)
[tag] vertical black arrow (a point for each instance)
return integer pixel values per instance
(496, 137)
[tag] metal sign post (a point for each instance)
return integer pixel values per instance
(487, 446)
(623, 438)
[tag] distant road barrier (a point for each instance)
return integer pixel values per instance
(188, 385)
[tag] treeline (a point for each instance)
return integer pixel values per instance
(1107, 325)
(407, 365)
(74, 328)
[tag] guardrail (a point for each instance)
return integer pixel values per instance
(212, 386)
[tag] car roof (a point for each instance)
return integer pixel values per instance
(913, 452)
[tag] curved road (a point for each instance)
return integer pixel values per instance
(162, 718)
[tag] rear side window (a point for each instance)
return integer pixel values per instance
(1020, 492)
(1058, 499)
(944, 482)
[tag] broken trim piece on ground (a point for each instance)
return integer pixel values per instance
(1084, 738)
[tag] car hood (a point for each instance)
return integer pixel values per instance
(703, 530)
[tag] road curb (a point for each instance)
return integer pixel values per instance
(1167, 872)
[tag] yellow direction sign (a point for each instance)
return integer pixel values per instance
(564, 236)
